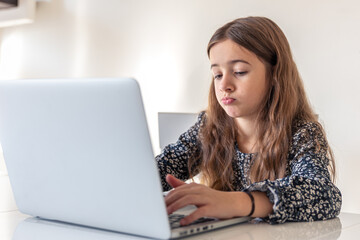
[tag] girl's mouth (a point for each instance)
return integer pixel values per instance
(227, 100)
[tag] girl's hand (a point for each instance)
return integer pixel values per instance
(209, 202)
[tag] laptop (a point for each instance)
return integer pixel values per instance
(79, 151)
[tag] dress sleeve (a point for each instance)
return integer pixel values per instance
(307, 193)
(174, 157)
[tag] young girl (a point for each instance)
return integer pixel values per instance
(258, 147)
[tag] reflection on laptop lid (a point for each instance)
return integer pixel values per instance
(79, 151)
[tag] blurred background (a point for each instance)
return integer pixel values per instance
(162, 43)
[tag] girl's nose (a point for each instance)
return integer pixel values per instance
(226, 84)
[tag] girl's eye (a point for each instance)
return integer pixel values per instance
(240, 73)
(218, 76)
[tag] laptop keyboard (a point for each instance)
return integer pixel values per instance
(175, 220)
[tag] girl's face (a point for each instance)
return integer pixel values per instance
(239, 79)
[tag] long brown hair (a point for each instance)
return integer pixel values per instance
(284, 103)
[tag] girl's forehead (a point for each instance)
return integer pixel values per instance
(227, 51)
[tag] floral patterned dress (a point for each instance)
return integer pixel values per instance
(306, 193)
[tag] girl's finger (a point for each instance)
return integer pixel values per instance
(199, 213)
(184, 201)
(173, 181)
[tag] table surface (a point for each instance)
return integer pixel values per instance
(17, 226)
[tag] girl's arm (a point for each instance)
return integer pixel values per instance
(307, 193)
(214, 203)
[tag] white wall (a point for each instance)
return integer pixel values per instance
(162, 43)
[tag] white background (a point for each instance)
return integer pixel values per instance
(162, 43)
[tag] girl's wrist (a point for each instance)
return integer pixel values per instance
(242, 204)
(252, 202)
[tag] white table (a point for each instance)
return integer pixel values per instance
(17, 226)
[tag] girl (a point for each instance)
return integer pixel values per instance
(258, 147)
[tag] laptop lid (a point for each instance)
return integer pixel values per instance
(78, 150)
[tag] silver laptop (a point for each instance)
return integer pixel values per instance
(79, 151)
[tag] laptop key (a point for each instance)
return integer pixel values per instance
(175, 220)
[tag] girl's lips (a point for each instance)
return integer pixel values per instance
(227, 100)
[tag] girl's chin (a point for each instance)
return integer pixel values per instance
(233, 114)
